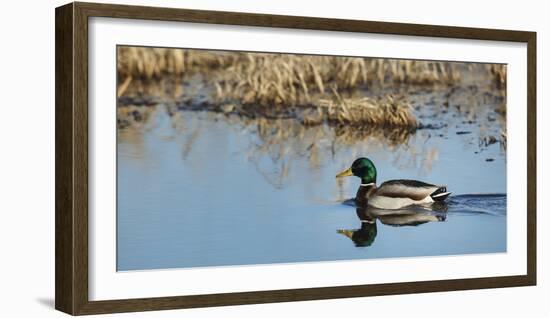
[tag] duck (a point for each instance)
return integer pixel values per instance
(392, 194)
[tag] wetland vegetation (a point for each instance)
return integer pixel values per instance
(228, 158)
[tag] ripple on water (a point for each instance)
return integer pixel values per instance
(463, 204)
(491, 204)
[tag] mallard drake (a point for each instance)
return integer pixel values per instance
(393, 194)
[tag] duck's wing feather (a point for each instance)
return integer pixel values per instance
(413, 189)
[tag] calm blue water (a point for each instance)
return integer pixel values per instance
(201, 189)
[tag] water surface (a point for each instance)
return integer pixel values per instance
(204, 189)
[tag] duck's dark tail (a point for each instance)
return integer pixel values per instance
(440, 194)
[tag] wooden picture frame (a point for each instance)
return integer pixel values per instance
(71, 90)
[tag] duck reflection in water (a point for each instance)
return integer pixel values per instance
(411, 216)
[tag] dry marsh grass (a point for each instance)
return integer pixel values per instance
(388, 111)
(499, 72)
(150, 63)
(314, 71)
(311, 89)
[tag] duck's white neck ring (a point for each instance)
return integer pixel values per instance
(367, 184)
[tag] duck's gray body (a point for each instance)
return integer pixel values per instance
(396, 194)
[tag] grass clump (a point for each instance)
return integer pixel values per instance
(154, 63)
(386, 111)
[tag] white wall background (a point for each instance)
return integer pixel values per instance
(27, 158)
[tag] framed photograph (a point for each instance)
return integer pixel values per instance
(220, 158)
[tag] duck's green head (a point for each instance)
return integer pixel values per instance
(362, 168)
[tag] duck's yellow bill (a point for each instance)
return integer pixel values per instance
(348, 233)
(345, 173)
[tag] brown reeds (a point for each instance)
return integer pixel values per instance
(387, 111)
(315, 71)
(285, 80)
(150, 63)
(312, 90)
(499, 75)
